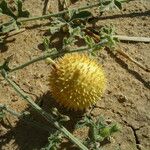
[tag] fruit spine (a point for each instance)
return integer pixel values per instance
(77, 81)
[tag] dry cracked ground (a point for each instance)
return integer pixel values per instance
(126, 100)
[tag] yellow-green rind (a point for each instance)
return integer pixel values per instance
(77, 82)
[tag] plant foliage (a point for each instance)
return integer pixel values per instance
(13, 23)
(99, 131)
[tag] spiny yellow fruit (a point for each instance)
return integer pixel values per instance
(77, 81)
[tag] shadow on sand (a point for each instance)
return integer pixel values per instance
(28, 136)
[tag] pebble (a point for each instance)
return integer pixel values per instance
(121, 98)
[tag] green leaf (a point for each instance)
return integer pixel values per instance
(21, 13)
(2, 115)
(46, 44)
(114, 128)
(89, 41)
(86, 121)
(81, 15)
(104, 5)
(54, 29)
(111, 4)
(1, 40)
(4, 9)
(105, 132)
(54, 141)
(75, 31)
(118, 4)
(1, 12)
(71, 13)
(98, 131)
(14, 25)
(57, 24)
(5, 66)
(68, 41)
(107, 33)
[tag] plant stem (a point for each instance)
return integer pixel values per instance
(49, 15)
(21, 115)
(133, 39)
(4, 107)
(57, 14)
(55, 55)
(47, 116)
(121, 52)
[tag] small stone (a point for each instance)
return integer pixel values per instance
(109, 92)
(121, 98)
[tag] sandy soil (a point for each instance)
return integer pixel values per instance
(126, 100)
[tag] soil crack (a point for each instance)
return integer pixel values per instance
(137, 141)
(136, 137)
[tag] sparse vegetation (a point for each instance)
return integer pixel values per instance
(74, 25)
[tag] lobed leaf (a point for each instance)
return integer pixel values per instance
(80, 15)
(21, 13)
(54, 141)
(89, 41)
(98, 131)
(109, 5)
(4, 9)
(12, 25)
(2, 115)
